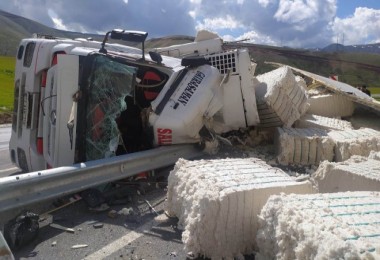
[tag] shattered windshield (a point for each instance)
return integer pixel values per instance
(109, 83)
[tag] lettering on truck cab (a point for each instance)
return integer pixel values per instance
(164, 136)
(191, 88)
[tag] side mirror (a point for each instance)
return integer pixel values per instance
(131, 36)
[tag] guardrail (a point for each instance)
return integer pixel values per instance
(18, 191)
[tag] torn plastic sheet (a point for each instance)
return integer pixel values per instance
(110, 82)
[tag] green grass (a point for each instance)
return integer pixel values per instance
(375, 93)
(7, 73)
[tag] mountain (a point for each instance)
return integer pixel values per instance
(362, 48)
(13, 28)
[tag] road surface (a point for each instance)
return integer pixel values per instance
(6, 166)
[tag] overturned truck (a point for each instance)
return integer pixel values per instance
(80, 100)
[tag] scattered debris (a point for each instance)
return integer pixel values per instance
(79, 246)
(190, 255)
(102, 207)
(93, 198)
(21, 230)
(151, 207)
(91, 222)
(57, 226)
(98, 225)
(126, 211)
(112, 214)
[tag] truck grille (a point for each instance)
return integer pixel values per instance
(224, 61)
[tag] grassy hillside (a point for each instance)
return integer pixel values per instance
(7, 67)
(352, 68)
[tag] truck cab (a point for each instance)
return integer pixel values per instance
(81, 100)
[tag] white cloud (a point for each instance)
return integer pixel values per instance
(265, 3)
(57, 22)
(362, 27)
(254, 37)
(290, 22)
(218, 23)
(295, 23)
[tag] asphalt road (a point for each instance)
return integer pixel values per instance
(6, 166)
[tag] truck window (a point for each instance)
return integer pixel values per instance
(15, 105)
(109, 82)
(20, 52)
(29, 51)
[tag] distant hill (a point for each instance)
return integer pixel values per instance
(352, 68)
(354, 65)
(367, 48)
(13, 28)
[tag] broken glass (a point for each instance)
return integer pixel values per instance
(109, 83)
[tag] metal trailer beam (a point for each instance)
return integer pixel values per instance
(18, 191)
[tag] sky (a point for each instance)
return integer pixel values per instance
(293, 23)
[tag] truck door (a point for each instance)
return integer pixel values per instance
(59, 107)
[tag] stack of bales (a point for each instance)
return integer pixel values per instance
(217, 202)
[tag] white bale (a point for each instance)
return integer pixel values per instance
(354, 142)
(327, 123)
(305, 146)
(217, 202)
(320, 226)
(355, 174)
(281, 99)
(331, 105)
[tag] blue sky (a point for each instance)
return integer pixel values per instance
(294, 23)
(347, 7)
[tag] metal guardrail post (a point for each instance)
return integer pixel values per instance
(5, 252)
(16, 192)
